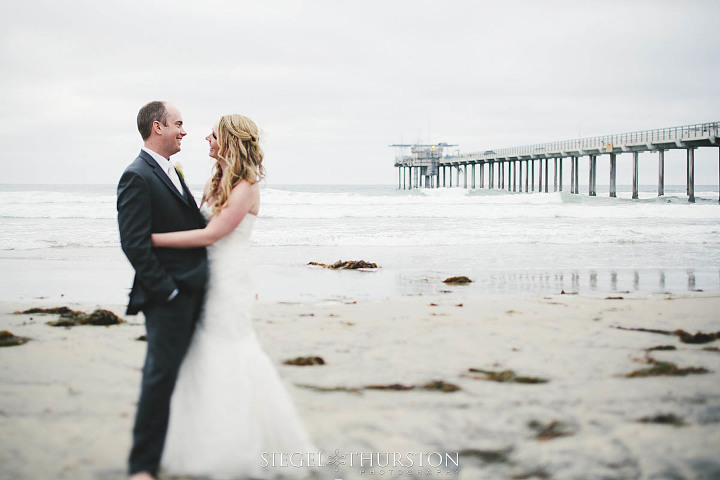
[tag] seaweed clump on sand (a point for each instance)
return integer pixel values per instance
(661, 348)
(7, 339)
(665, 369)
(435, 386)
(664, 419)
(51, 311)
(487, 456)
(349, 265)
(305, 361)
(698, 337)
(554, 429)
(98, 317)
(505, 376)
(392, 386)
(71, 318)
(440, 386)
(685, 337)
(461, 280)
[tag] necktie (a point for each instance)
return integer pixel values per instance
(174, 178)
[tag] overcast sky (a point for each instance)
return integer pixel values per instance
(332, 83)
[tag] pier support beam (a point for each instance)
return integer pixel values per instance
(555, 175)
(532, 177)
(613, 175)
(473, 177)
(547, 163)
(458, 176)
(592, 188)
(635, 175)
(691, 174)
(514, 175)
(521, 177)
(561, 176)
(400, 178)
(482, 175)
(572, 174)
(527, 174)
(661, 173)
(464, 169)
(576, 163)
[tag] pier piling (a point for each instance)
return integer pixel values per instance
(635, 175)
(613, 175)
(592, 176)
(661, 173)
(561, 176)
(691, 174)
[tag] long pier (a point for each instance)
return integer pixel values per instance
(428, 167)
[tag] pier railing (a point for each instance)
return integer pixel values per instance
(663, 138)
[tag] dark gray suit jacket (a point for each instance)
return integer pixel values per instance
(148, 202)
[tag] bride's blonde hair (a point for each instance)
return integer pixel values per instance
(239, 148)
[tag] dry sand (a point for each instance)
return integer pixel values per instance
(67, 397)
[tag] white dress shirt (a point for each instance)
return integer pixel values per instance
(167, 167)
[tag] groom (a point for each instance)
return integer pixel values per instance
(169, 283)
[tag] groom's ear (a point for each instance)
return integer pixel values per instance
(157, 127)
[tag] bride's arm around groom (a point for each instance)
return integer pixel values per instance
(243, 200)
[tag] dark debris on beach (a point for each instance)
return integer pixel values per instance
(487, 456)
(305, 361)
(72, 318)
(664, 419)
(685, 337)
(434, 386)
(346, 265)
(504, 376)
(670, 369)
(549, 431)
(460, 280)
(7, 339)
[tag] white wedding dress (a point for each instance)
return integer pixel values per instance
(230, 411)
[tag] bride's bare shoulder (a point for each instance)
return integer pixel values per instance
(244, 187)
(248, 195)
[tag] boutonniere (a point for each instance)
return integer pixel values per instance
(178, 167)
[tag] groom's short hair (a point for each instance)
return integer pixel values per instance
(152, 112)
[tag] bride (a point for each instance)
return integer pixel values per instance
(229, 410)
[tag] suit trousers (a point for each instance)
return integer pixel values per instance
(170, 327)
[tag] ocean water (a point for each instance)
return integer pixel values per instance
(61, 241)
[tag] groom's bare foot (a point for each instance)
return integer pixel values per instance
(141, 476)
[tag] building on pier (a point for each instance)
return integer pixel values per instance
(422, 163)
(427, 166)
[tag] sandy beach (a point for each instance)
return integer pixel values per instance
(68, 395)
